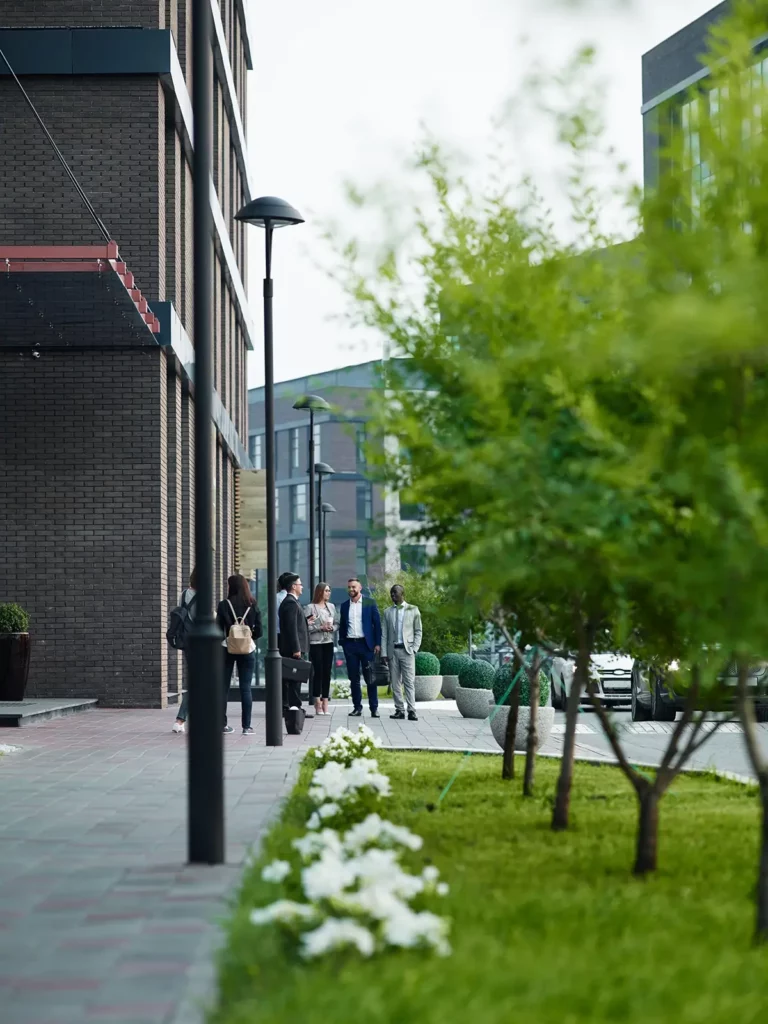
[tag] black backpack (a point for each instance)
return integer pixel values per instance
(181, 624)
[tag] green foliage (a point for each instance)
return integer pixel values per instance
(476, 675)
(445, 620)
(451, 664)
(503, 678)
(559, 902)
(13, 619)
(427, 664)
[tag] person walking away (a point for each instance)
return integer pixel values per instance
(401, 633)
(324, 622)
(293, 641)
(236, 614)
(187, 600)
(360, 636)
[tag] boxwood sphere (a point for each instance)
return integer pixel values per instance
(476, 675)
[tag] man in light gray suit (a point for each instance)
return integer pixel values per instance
(400, 642)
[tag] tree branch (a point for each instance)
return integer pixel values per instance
(633, 776)
(749, 724)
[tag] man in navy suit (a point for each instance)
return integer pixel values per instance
(360, 636)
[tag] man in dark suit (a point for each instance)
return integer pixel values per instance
(360, 636)
(293, 639)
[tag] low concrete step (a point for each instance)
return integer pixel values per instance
(14, 713)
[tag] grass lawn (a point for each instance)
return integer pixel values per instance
(547, 929)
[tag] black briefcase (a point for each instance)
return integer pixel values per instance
(296, 670)
(379, 672)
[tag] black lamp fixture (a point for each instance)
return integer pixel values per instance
(315, 404)
(321, 469)
(325, 508)
(269, 213)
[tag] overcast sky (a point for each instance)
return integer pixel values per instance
(340, 89)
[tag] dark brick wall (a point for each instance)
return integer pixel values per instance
(83, 13)
(83, 507)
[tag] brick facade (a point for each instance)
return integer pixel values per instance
(97, 448)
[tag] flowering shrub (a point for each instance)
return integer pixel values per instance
(340, 689)
(345, 886)
(345, 746)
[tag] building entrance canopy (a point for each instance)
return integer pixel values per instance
(71, 296)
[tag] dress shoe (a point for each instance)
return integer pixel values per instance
(398, 714)
(308, 714)
(355, 714)
(375, 714)
(412, 716)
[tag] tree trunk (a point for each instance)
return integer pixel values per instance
(647, 832)
(532, 738)
(561, 812)
(508, 765)
(761, 928)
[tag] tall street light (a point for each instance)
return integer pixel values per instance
(322, 469)
(270, 213)
(315, 404)
(205, 774)
(325, 508)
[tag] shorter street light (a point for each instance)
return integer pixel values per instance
(321, 469)
(325, 508)
(315, 404)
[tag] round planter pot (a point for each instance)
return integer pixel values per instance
(474, 703)
(14, 665)
(448, 688)
(428, 687)
(545, 719)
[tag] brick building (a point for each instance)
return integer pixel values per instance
(368, 534)
(97, 350)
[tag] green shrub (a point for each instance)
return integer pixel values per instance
(13, 619)
(504, 676)
(452, 664)
(476, 675)
(427, 664)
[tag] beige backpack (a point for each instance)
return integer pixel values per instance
(239, 636)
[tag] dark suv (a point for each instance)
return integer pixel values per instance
(653, 700)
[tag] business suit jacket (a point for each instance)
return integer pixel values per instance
(371, 624)
(294, 633)
(412, 630)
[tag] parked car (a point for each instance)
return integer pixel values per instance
(612, 674)
(654, 700)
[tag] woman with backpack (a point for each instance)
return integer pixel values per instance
(187, 601)
(239, 619)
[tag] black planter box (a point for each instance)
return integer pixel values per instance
(14, 664)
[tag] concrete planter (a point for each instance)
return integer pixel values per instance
(448, 688)
(473, 703)
(545, 719)
(428, 687)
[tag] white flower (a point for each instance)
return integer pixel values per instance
(325, 877)
(336, 932)
(328, 810)
(282, 910)
(442, 889)
(374, 830)
(277, 871)
(334, 782)
(406, 928)
(316, 842)
(313, 822)
(430, 874)
(377, 900)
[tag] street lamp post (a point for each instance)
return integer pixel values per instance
(322, 469)
(270, 213)
(205, 778)
(315, 404)
(325, 508)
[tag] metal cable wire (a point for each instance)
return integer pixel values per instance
(68, 170)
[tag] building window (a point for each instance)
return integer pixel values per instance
(299, 507)
(277, 504)
(295, 448)
(317, 434)
(413, 556)
(412, 513)
(360, 445)
(361, 559)
(256, 450)
(296, 556)
(364, 503)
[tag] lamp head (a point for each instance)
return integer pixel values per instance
(327, 507)
(313, 402)
(323, 469)
(269, 212)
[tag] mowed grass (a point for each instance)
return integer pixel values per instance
(547, 928)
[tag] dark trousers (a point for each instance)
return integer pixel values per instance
(359, 660)
(321, 656)
(246, 666)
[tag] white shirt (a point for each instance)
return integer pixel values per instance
(399, 616)
(355, 630)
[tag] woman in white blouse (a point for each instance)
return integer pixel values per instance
(323, 621)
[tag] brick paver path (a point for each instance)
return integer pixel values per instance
(100, 918)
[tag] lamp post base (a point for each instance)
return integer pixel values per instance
(273, 680)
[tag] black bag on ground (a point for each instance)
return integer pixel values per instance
(296, 670)
(294, 721)
(180, 625)
(379, 672)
